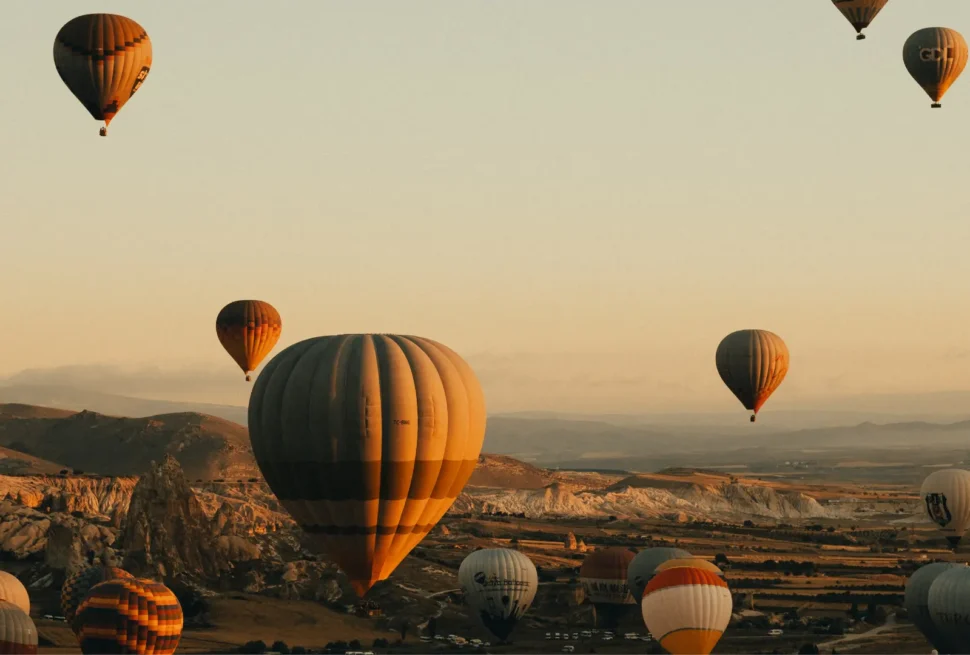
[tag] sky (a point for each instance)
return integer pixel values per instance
(580, 198)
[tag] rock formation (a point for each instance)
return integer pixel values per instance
(166, 533)
(570, 541)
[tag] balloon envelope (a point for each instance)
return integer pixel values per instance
(949, 605)
(916, 602)
(860, 13)
(248, 330)
(18, 634)
(687, 610)
(77, 586)
(946, 498)
(499, 585)
(13, 591)
(129, 615)
(690, 562)
(103, 59)
(367, 440)
(603, 576)
(752, 363)
(644, 565)
(935, 57)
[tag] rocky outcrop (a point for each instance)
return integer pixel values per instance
(677, 502)
(166, 533)
(95, 496)
(225, 522)
(570, 541)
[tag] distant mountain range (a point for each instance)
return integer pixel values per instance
(66, 397)
(604, 442)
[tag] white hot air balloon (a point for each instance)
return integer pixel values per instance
(949, 605)
(13, 591)
(687, 610)
(946, 495)
(499, 585)
(17, 631)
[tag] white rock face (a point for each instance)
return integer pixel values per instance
(714, 502)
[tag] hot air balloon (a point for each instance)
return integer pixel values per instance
(77, 586)
(103, 59)
(917, 599)
(13, 591)
(687, 610)
(499, 585)
(949, 605)
(946, 495)
(645, 564)
(935, 57)
(860, 13)
(752, 363)
(248, 330)
(18, 635)
(367, 440)
(129, 615)
(691, 563)
(604, 576)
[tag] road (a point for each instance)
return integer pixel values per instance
(890, 624)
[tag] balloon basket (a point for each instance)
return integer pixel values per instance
(936, 105)
(860, 37)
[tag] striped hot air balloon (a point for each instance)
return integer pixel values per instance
(691, 562)
(604, 579)
(860, 13)
(129, 615)
(17, 631)
(644, 566)
(687, 610)
(103, 59)
(248, 330)
(367, 440)
(13, 591)
(78, 585)
(752, 363)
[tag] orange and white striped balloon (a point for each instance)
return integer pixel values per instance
(687, 610)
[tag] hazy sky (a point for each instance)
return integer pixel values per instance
(580, 197)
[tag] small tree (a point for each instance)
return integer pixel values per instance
(280, 646)
(253, 647)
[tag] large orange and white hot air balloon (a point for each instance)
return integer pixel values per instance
(691, 562)
(367, 440)
(687, 610)
(604, 579)
(752, 363)
(248, 330)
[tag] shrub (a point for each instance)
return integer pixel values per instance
(253, 647)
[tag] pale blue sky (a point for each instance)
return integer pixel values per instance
(582, 198)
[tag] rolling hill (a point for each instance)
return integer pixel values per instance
(207, 447)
